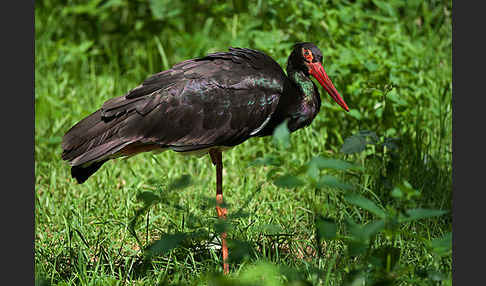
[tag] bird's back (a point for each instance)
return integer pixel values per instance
(218, 100)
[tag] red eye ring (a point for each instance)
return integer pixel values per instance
(307, 55)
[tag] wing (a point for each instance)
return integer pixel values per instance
(218, 100)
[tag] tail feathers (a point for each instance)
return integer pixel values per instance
(99, 137)
(81, 174)
(89, 162)
(90, 143)
(82, 131)
(100, 152)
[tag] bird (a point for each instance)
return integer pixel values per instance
(200, 106)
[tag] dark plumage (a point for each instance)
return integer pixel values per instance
(202, 105)
(221, 99)
(194, 105)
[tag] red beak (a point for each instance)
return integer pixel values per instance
(317, 71)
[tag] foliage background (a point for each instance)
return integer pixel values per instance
(391, 61)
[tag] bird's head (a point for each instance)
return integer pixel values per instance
(308, 58)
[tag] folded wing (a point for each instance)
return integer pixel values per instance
(218, 100)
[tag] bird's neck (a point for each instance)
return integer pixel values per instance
(303, 99)
(299, 104)
(305, 86)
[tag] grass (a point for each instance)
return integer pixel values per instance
(325, 210)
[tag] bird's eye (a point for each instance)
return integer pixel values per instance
(307, 55)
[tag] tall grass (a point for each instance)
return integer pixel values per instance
(328, 209)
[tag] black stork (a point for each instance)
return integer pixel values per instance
(204, 106)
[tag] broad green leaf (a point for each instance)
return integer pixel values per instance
(442, 245)
(262, 273)
(331, 181)
(364, 203)
(396, 98)
(373, 228)
(416, 214)
(312, 171)
(358, 142)
(281, 135)
(165, 244)
(355, 113)
(288, 181)
(365, 232)
(326, 163)
(148, 197)
(396, 193)
(317, 163)
(326, 228)
(406, 188)
(370, 136)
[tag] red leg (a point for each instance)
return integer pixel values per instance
(217, 159)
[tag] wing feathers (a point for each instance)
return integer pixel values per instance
(218, 100)
(101, 152)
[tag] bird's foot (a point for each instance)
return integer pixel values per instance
(222, 212)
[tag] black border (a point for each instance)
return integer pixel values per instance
(18, 128)
(468, 126)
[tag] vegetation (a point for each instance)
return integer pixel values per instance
(358, 198)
